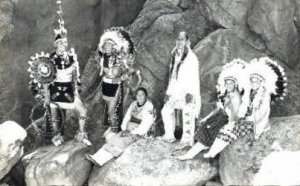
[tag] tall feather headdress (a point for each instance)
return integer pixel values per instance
(271, 74)
(120, 37)
(234, 71)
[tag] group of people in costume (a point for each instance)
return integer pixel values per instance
(245, 91)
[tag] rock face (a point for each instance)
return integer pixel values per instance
(220, 30)
(16, 176)
(154, 34)
(153, 49)
(273, 159)
(63, 165)
(6, 12)
(228, 13)
(218, 48)
(274, 22)
(222, 46)
(149, 162)
(12, 136)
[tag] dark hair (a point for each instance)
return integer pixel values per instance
(186, 36)
(142, 89)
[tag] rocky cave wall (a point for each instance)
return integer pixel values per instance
(26, 27)
(219, 31)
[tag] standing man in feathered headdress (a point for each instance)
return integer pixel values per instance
(116, 51)
(183, 92)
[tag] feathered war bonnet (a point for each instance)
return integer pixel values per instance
(271, 75)
(234, 71)
(121, 39)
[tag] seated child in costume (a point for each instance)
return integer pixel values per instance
(137, 122)
(267, 83)
(230, 94)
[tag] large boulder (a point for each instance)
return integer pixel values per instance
(6, 12)
(63, 165)
(152, 10)
(110, 11)
(12, 136)
(218, 48)
(274, 22)
(273, 159)
(15, 177)
(8, 101)
(297, 16)
(149, 162)
(228, 13)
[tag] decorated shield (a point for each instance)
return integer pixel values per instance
(41, 69)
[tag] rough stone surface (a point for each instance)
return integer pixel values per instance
(63, 165)
(273, 159)
(223, 45)
(152, 167)
(213, 183)
(220, 30)
(297, 15)
(228, 13)
(154, 32)
(12, 136)
(6, 12)
(16, 176)
(151, 11)
(218, 48)
(274, 22)
(154, 45)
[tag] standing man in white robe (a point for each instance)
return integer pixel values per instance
(183, 92)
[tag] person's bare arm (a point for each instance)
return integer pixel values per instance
(215, 111)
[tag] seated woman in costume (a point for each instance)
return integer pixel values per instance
(230, 95)
(267, 82)
(137, 122)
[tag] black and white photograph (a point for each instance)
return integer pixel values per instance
(149, 92)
